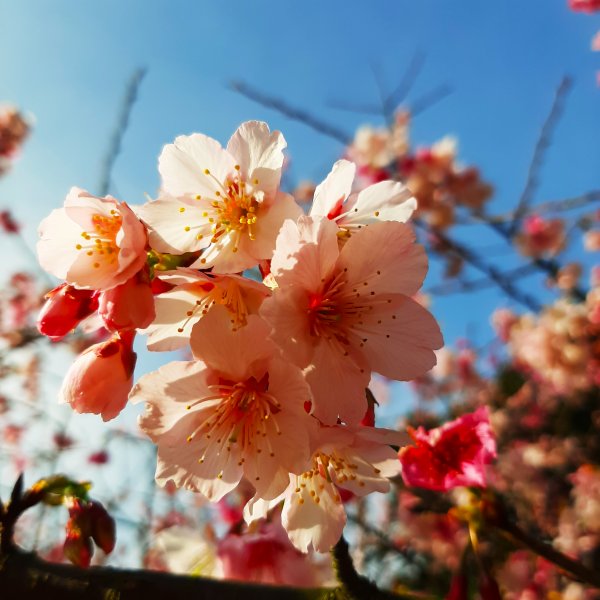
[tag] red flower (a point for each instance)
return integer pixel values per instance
(452, 455)
(587, 6)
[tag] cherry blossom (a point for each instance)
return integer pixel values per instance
(237, 412)
(452, 455)
(383, 201)
(341, 313)
(223, 202)
(357, 459)
(193, 295)
(92, 243)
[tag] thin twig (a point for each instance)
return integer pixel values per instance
(401, 91)
(551, 206)
(114, 148)
(539, 152)
(429, 99)
(568, 565)
(296, 114)
(457, 286)
(476, 261)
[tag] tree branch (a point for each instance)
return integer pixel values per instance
(28, 577)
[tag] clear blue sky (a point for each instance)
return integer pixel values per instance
(67, 63)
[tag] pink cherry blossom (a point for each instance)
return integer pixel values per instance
(340, 314)
(92, 243)
(266, 556)
(541, 237)
(238, 412)
(452, 455)
(101, 377)
(193, 295)
(224, 202)
(356, 459)
(383, 201)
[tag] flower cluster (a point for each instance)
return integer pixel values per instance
(13, 131)
(560, 346)
(433, 174)
(286, 316)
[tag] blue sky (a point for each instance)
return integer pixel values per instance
(67, 63)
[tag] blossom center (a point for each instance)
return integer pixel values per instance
(102, 246)
(226, 293)
(243, 415)
(235, 206)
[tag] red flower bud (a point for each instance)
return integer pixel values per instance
(64, 309)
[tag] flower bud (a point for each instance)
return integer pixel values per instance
(102, 527)
(101, 377)
(64, 309)
(129, 305)
(78, 547)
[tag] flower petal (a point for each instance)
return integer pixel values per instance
(182, 166)
(401, 336)
(334, 189)
(385, 256)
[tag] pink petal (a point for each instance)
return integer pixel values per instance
(401, 336)
(384, 256)
(167, 224)
(309, 523)
(338, 384)
(306, 252)
(237, 355)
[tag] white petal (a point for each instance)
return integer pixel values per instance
(334, 189)
(167, 219)
(182, 166)
(259, 153)
(310, 523)
(383, 201)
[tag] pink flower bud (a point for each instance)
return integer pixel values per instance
(8, 223)
(101, 377)
(64, 309)
(129, 305)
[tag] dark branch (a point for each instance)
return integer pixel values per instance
(28, 577)
(296, 114)
(476, 261)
